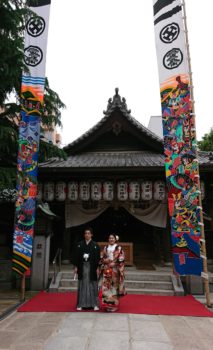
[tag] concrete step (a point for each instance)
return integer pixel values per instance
(129, 284)
(133, 276)
(69, 269)
(136, 281)
(67, 275)
(149, 291)
(67, 282)
(149, 285)
(128, 290)
(147, 276)
(67, 289)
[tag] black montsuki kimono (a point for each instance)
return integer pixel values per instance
(87, 257)
(92, 248)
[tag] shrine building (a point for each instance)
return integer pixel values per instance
(113, 180)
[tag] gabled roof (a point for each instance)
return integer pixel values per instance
(115, 104)
(144, 150)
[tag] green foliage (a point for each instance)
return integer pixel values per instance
(8, 137)
(206, 144)
(7, 178)
(7, 184)
(13, 16)
(48, 150)
(52, 107)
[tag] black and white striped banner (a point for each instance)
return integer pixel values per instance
(181, 165)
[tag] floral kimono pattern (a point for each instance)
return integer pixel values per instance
(112, 272)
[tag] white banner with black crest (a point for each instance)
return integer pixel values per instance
(36, 38)
(31, 101)
(170, 40)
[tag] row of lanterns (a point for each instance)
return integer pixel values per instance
(134, 191)
(96, 191)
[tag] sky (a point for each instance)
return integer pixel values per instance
(95, 46)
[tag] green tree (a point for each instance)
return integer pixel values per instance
(13, 16)
(206, 144)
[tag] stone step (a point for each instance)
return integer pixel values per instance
(136, 282)
(149, 291)
(149, 285)
(67, 289)
(66, 282)
(70, 268)
(128, 290)
(129, 284)
(134, 276)
(148, 276)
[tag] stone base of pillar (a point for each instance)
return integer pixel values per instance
(194, 285)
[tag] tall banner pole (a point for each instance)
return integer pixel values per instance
(180, 145)
(32, 99)
(204, 274)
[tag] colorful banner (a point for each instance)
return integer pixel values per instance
(32, 93)
(181, 165)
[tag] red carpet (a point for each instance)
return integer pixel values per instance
(132, 304)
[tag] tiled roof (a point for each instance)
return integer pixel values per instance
(108, 159)
(116, 159)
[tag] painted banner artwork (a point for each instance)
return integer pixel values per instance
(32, 92)
(181, 165)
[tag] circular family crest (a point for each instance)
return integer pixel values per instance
(170, 33)
(35, 26)
(33, 55)
(173, 58)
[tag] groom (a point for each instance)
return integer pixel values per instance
(86, 260)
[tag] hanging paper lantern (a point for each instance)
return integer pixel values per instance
(134, 191)
(72, 194)
(202, 188)
(122, 191)
(96, 192)
(49, 191)
(84, 191)
(60, 191)
(108, 191)
(39, 191)
(146, 190)
(159, 190)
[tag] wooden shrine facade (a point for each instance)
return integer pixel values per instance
(114, 180)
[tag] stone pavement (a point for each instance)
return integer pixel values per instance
(100, 331)
(10, 299)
